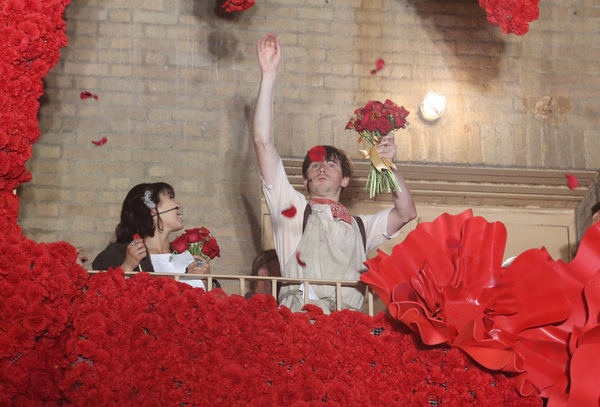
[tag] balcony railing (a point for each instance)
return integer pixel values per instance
(208, 279)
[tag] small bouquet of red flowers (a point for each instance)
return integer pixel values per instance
(198, 241)
(232, 6)
(372, 122)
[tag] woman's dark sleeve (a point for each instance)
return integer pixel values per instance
(113, 256)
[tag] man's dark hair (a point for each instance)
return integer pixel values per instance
(332, 154)
(595, 208)
(136, 215)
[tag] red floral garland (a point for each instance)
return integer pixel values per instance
(512, 16)
(233, 6)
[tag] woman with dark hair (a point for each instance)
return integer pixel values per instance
(148, 216)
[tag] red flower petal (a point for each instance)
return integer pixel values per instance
(289, 213)
(101, 142)
(85, 94)
(572, 181)
(136, 236)
(317, 154)
(300, 262)
(380, 64)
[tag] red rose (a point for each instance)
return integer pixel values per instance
(211, 248)
(192, 235)
(375, 121)
(204, 233)
(350, 124)
(180, 245)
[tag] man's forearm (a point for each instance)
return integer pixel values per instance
(263, 113)
(404, 208)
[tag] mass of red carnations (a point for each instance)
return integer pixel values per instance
(108, 340)
(513, 16)
(536, 319)
(32, 33)
(233, 6)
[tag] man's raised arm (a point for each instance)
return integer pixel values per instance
(269, 54)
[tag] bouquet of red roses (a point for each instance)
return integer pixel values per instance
(198, 241)
(372, 122)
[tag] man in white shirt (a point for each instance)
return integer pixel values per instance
(327, 243)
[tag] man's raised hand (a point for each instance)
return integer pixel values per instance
(268, 52)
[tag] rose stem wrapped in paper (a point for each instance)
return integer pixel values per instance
(373, 122)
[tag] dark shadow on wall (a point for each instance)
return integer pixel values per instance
(221, 42)
(461, 31)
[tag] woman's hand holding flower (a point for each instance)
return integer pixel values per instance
(136, 251)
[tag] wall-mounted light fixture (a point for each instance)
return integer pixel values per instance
(433, 105)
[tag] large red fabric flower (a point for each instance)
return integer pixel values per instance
(581, 283)
(445, 282)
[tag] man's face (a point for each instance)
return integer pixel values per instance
(324, 179)
(596, 217)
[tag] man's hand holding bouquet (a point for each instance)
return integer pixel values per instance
(376, 124)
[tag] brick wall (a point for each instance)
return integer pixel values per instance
(177, 79)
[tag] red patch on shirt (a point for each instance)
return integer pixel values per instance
(289, 213)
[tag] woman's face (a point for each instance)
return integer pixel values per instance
(171, 213)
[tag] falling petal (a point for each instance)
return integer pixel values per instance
(572, 181)
(289, 213)
(300, 262)
(85, 94)
(380, 64)
(317, 154)
(101, 142)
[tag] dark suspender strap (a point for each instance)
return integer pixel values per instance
(307, 212)
(359, 221)
(363, 233)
